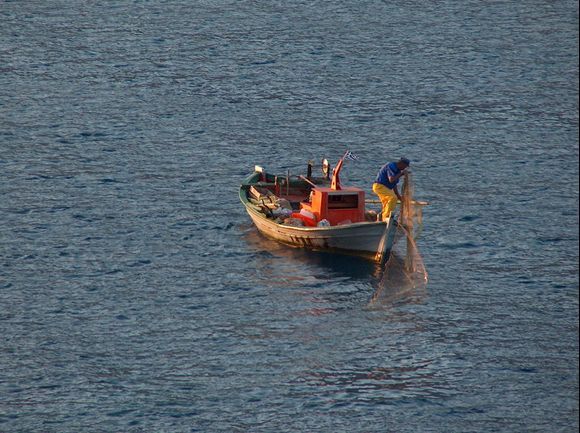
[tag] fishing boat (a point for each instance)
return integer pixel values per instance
(317, 213)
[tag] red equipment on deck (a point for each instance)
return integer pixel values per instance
(336, 204)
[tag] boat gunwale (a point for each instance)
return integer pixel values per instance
(342, 227)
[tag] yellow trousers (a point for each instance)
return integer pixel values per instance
(388, 199)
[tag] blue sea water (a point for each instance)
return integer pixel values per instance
(136, 296)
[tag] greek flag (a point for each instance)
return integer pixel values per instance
(351, 156)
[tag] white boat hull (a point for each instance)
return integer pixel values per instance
(365, 238)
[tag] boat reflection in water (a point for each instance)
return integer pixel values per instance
(402, 280)
(276, 257)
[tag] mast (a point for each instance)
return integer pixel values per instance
(335, 183)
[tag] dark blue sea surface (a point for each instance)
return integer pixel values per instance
(136, 296)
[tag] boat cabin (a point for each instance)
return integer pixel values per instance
(337, 206)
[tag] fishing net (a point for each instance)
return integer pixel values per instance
(404, 277)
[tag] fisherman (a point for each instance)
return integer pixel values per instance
(385, 185)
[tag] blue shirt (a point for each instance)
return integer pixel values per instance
(387, 170)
